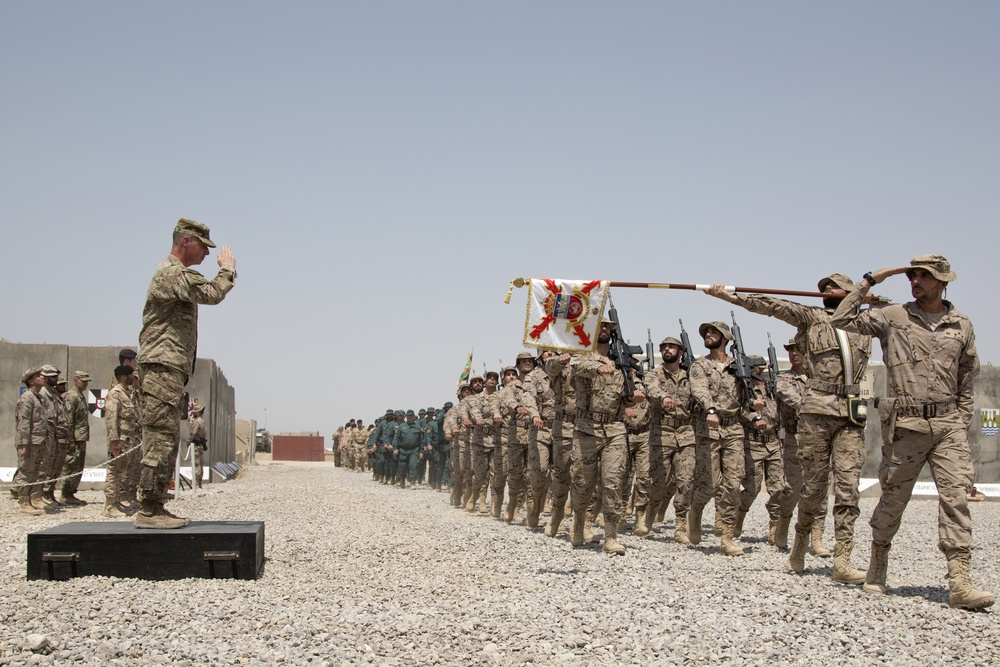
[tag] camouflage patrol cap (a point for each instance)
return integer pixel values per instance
(474, 378)
(838, 279)
(30, 373)
(670, 340)
(493, 373)
(449, 404)
(195, 229)
(508, 369)
(83, 376)
(936, 265)
(757, 360)
(49, 371)
(721, 326)
(410, 413)
(524, 355)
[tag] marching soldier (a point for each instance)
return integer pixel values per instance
(407, 443)
(521, 412)
(539, 438)
(790, 388)
(559, 370)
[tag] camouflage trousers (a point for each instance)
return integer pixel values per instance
(133, 470)
(671, 465)
(793, 476)
(29, 461)
(197, 465)
(115, 473)
(562, 456)
(465, 460)
(59, 455)
(516, 460)
(763, 465)
(946, 452)
(162, 391)
(827, 441)
(637, 469)
(539, 462)
(607, 448)
(719, 467)
(76, 458)
(48, 457)
(482, 461)
(498, 463)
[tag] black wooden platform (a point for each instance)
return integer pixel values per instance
(205, 549)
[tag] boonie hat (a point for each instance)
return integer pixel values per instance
(936, 265)
(524, 355)
(838, 279)
(30, 373)
(670, 340)
(721, 326)
(49, 371)
(790, 344)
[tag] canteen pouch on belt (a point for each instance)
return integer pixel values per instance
(857, 410)
(887, 415)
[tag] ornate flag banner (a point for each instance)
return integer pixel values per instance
(564, 315)
(95, 402)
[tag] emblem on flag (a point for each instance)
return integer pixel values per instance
(990, 419)
(564, 315)
(465, 373)
(96, 402)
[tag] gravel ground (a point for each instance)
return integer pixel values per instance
(358, 573)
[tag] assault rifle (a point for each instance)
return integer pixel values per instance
(688, 358)
(621, 352)
(771, 382)
(741, 362)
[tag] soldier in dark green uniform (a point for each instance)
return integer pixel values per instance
(428, 452)
(406, 442)
(391, 454)
(379, 464)
(421, 462)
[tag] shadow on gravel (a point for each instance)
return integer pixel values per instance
(935, 594)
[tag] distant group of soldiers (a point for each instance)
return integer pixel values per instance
(53, 429)
(583, 436)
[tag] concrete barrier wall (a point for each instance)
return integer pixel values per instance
(207, 385)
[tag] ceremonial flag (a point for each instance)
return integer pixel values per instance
(464, 377)
(564, 315)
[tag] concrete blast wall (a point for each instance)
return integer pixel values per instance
(208, 386)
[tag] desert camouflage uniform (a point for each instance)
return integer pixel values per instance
(564, 396)
(599, 437)
(762, 460)
(671, 439)
(637, 463)
(122, 420)
(197, 436)
(64, 437)
(512, 397)
(483, 442)
(32, 434)
(826, 436)
(539, 440)
(167, 353)
(790, 387)
(719, 464)
(930, 369)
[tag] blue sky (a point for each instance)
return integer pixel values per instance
(382, 170)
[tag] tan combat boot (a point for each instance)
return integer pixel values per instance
(781, 533)
(963, 594)
(718, 523)
(843, 571)
(470, 504)
(877, 566)
(576, 537)
(112, 510)
(38, 500)
(797, 557)
(772, 529)
(643, 520)
(588, 531)
(496, 506)
(694, 525)
(154, 515)
(817, 547)
(531, 519)
(552, 527)
(738, 528)
(727, 547)
(661, 510)
(611, 544)
(681, 529)
(25, 507)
